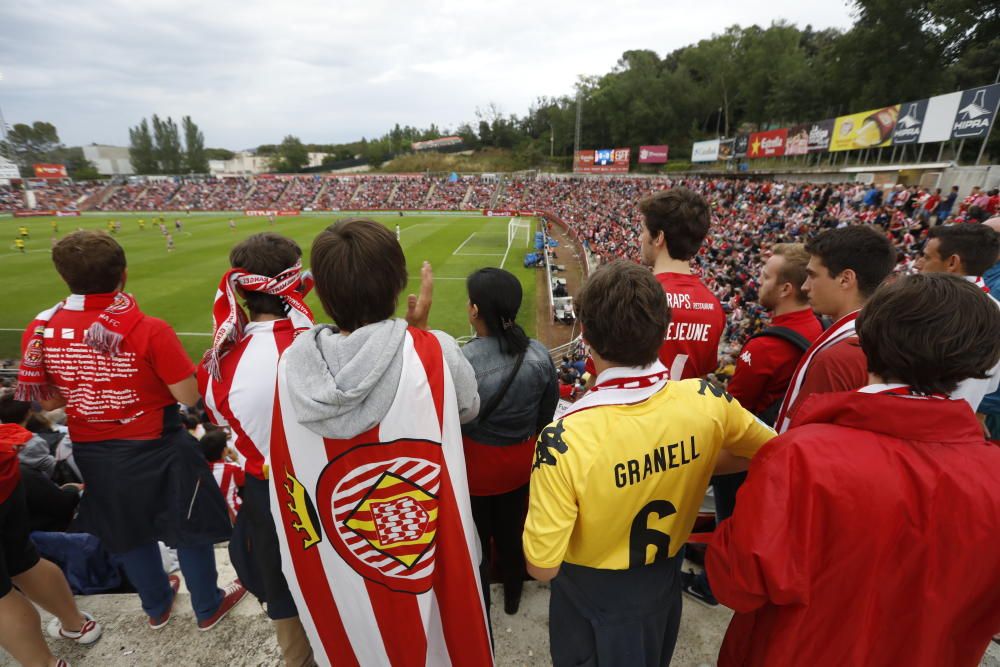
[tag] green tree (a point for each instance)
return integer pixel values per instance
(168, 152)
(31, 144)
(291, 155)
(219, 154)
(141, 152)
(195, 160)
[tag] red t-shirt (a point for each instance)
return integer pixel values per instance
(766, 363)
(12, 437)
(112, 398)
(691, 345)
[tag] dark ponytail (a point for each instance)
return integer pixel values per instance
(497, 294)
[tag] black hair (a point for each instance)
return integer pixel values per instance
(497, 294)
(213, 444)
(12, 411)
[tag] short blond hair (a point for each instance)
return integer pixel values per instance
(793, 269)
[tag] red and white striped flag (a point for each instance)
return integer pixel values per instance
(377, 539)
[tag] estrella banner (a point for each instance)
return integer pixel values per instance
(50, 171)
(768, 144)
(866, 129)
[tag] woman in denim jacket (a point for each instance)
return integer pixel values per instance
(500, 442)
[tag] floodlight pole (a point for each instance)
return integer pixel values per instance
(579, 122)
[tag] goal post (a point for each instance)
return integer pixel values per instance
(518, 229)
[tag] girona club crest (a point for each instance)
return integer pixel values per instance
(378, 504)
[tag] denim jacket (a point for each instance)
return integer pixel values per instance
(530, 401)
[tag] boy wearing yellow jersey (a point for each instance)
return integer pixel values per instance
(618, 480)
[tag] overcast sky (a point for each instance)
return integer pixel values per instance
(252, 71)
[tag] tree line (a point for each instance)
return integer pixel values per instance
(159, 151)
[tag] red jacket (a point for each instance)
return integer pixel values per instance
(868, 535)
(766, 363)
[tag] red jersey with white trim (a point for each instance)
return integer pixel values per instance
(691, 345)
(766, 363)
(229, 477)
(243, 396)
(376, 533)
(112, 398)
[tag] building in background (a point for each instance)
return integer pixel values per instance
(247, 162)
(109, 160)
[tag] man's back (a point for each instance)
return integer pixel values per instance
(610, 478)
(891, 561)
(691, 345)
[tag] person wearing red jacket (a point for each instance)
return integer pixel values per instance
(853, 527)
(766, 363)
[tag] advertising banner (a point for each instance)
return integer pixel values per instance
(726, 149)
(705, 151)
(819, 135)
(798, 140)
(277, 212)
(976, 112)
(36, 214)
(939, 118)
(653, 154)
(741, 145)
(602, 161)
(50, 171)
(911, 121)
(866, 129)
(768, 144)
(510, 213)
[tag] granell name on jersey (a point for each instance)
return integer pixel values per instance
(661, 459)
(697, 331)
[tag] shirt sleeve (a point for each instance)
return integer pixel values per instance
(169, 360)
(552, 505)
(463, 375)
(744, 433)
(746, 564)
(750, 375)
(842, 367)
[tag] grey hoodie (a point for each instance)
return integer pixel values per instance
(341, 386)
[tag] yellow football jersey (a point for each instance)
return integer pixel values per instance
(619, 486)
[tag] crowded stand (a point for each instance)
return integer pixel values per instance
(11, 199)
(338, 194)
(448, 196)
(211, 194)
(301, 193)
(266, 191)
(375, 192)
(481, 195)
(65, 196)
(410, 193)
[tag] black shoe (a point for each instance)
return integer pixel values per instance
(696, 586)
(512, 597)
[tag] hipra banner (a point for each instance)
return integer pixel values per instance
(867, 129)
(798, 140)
(653, 154)
(768, 144)
(940, 117)
(976, 112)
(820, 133)
(705, 151)
(910, 122)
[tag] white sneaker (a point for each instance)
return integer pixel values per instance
(88, 634)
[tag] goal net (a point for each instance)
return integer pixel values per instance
(518, 231)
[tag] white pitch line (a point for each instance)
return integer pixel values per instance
(463, 243)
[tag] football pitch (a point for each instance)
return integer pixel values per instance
(179, 286)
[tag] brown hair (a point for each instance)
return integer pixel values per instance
(360, 270)
(90, 262)
(976, 245)
(793, 268)
(930, 331)
(860, 248)
(682, 216)
(624, 313)
(265, 254)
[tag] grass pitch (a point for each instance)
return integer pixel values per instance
(179, 286)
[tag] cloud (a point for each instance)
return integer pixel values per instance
(250, 72)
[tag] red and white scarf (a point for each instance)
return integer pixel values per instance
(119, 316)
(228, 317)
(841, 330)
(623, 385)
